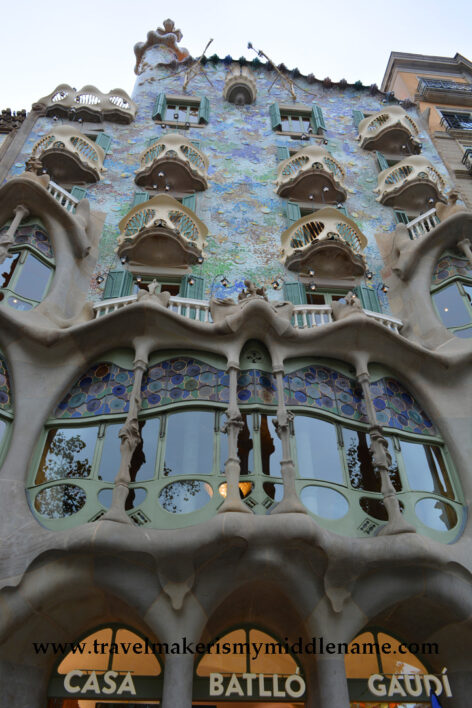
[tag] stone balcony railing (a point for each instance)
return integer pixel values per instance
(304, 316)
(89, 104)
(327, 241)
(173, 161)
(391, 130)
(423, 224)
(312, 174)
(64, 197)
(161, 232)
(412, 183)
(69, 156)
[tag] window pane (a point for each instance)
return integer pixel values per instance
(111, 455)
(463, 333)
(317, 450)
(3, 427)
(436, 514)
(451, 307)
(60, 500)
(324, 502)
(426, 469)
(33, 279)
(359, 462)
(143, 462)
(246, 446)
(189, 443)
(7, 268)
(68, 452)
(186, 496)
(271, 448)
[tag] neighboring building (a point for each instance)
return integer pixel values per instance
(442, 89)
(235, 392)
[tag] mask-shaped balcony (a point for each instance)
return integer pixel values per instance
(89, 104)
(161, 233)
(391, 131)
(312, 174)
(413, 183)
(173, 160)
(326, 241)
(240, 86)
(70, 157)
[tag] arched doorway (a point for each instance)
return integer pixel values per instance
(112, 666)
(249, 667)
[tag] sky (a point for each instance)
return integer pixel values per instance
(91, 41)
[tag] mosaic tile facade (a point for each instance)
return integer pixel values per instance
(450, 264)
(396, 408)
(183, 379)
(256, 386)
(5, 393)
(104, 389)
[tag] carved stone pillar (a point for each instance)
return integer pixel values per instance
(382, 461)
(178, 681)
(232, 427)
(332, 683)
(8, 238)
(465, 246)
(130, 438)
(290, 501)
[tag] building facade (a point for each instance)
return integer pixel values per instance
(234, 395)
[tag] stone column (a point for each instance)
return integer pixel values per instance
(232, 427)
(465, 246)
(382, 461)
(130, 438)
(332, 683)
(8, 238)
(290, 501)
(178, 681)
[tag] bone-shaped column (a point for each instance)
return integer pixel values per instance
(8, 238)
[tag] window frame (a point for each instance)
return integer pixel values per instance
(9, 290)
(458, 281)
(177, 103)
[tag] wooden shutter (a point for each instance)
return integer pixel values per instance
(78, 193)
(160, 107)
(196, 143)
(139, 198)
(190, 201)
(118, 284)
(104, 141)
(283, 153)
(316, 119)
(357, 116)
(292, 211)
(368, 297)
(295, 293)
(192, 290)
(383, 164)
(204, 110)
(275, 117)
(401, 217)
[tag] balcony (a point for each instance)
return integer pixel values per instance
(161, 233)
(391, 131)
(70, 157)
(173, 161)
(89, 104)
(445, 91)
(312, 174)
(328, 242)
(411, 184)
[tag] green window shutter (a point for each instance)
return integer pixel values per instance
(316, 119)
(357, 116)
(118, 284)
(383, 164)
(194, 290)
(190, 201)
(283, 153)
(295, 293)
(151, 141)
(196, 143)
(292, 211)
(401, 217)
(368, 297)
(204, 110)
(275, 117)
(160, 107)
(104, 141)
(78, 193)
(139, 198)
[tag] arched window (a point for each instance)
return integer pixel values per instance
(112, 663)
(27, 271)
(451, 290)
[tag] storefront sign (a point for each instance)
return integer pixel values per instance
(109, 683)
(404, 685)
(257, 686)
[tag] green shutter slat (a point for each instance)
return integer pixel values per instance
(204, 110)
(160, 107)
(196, 143)
(104, 141)
(295, 293)
(292, 211)
(316, 119)
(78, 193)
(357, 116)
(190, 201)
(401, 217)
(139, 198)
(383, 164)
(151, 141)
(118, 284)
(194, 291)
(283, 153)
(368, 297)
(275, 117)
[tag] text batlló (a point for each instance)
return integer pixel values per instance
(259, 685)
(110, 682)
(409, 684)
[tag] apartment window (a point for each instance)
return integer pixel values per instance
(296, 210)
(181, 111)
(122, 283)
(297, 120)
(456, 121)
(453, 304)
